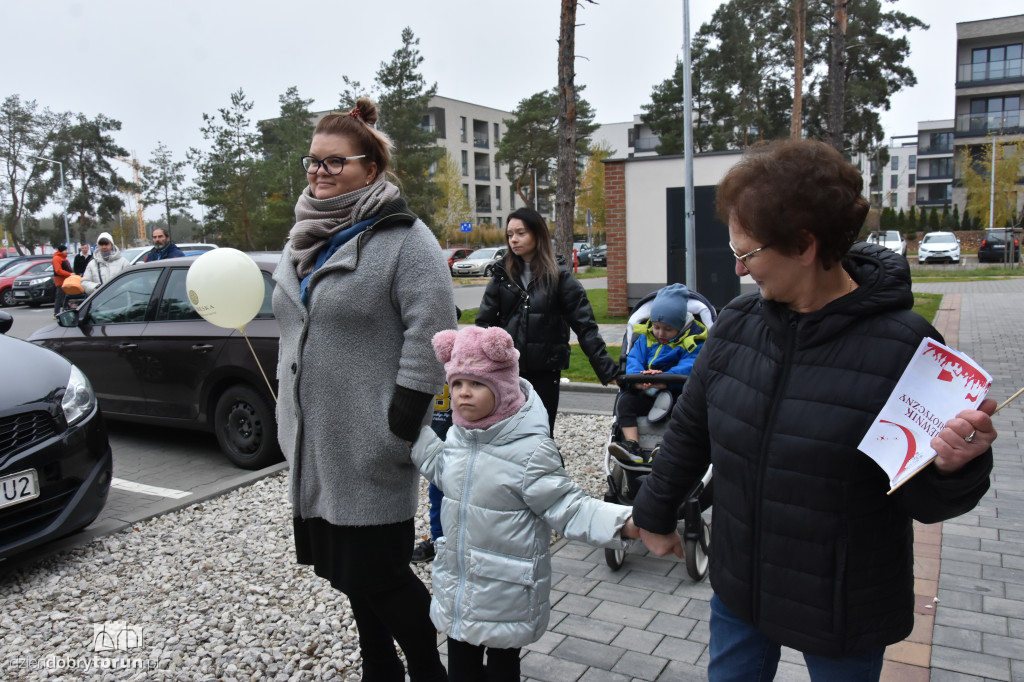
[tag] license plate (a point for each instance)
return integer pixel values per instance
(19, 487)
(20, 294)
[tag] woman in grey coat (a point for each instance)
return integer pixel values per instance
(361, 290)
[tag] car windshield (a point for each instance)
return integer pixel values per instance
(9, 270)
(939, 239)
(892, 235)
(484, 253)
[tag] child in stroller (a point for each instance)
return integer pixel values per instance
(642, 406)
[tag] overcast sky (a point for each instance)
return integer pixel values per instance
(158, 66)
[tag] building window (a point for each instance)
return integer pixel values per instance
(994, 113)
(911, 180)
(465, 162)
(892, 200)
(496, 138)
(497, 198)
(894, 182)
(511, 199)
(894, 163)
(465, 188)
(993, 63)
(462, 129)
(499, 222)
(913, 162)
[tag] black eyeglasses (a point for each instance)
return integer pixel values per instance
(742, 260)
(333, 164)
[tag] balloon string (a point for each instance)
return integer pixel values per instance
(246, 337)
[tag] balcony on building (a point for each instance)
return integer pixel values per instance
(480, 135)
(481, 167)
(483, 199)
(992, 66)
(989, 123)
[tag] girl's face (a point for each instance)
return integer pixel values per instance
(356, 173)
(471, 399)
(521, 240)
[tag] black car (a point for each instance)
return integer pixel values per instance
(34, 289)
(599, 256)
(55, 461)
(153, 359)
(993, 247)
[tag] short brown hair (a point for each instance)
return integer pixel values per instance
(358, 126)
(785, 192)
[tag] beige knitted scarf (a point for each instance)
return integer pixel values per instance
(317, 220)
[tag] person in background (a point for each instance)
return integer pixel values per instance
(505, 489)
(666, 344)
(163, 247)
(537, 300)
(61, 271)
(809, 550)
(361, 290)
(82, 258)
(106, 264)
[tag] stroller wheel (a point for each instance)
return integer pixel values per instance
(697, 553)
(614, 558)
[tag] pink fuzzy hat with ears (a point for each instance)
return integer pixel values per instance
(486, 355)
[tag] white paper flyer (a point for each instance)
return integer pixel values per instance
(937, 385)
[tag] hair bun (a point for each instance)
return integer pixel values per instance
(367, 110)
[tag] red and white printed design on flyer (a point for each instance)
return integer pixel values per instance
(937, 385)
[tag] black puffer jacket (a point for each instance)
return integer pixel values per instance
(806, 544)
(538, 320)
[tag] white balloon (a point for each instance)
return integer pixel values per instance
(225, 286)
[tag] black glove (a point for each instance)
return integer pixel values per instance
(405, 414)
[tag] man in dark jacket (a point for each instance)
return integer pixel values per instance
(82, 258)
(809, 550)
(163, 247)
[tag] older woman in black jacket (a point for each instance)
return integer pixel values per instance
(809, 551)
(537, 300)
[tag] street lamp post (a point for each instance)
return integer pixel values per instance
(63, 197)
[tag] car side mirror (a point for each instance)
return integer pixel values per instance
(68, 318)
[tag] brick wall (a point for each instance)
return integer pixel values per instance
(615, 225)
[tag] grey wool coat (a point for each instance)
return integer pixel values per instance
(374, 307)
(504, 490)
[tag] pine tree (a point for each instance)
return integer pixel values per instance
(163, 184)
(285, 142)
(901, 221)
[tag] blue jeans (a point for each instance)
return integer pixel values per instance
(739, 652)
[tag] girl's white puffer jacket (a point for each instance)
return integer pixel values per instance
(505, 489)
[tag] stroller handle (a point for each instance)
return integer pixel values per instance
(651, 379)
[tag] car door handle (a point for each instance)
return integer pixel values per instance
(128, 346)
(202, 348)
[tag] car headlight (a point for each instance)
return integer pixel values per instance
(79, 398)
(38, 280)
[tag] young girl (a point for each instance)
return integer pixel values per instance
(504, 490)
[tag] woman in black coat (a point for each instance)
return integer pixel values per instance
(809, 550)
(537, 300)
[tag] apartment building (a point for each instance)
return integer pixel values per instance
(989, 87)
(627, 140)
(935, 163)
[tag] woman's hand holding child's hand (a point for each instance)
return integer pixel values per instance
(630, 531)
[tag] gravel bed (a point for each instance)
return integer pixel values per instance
(214, 590)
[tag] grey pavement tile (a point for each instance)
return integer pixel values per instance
(647, 581)
(570, 566)
(969, 620)
(622, 594)
(605, 574)
(956, 638)
(546, 644)
(968, 519)
(577, 604)
(1009, 575)
(701, 610)
(1016, 628)
(971, 556)
(668, 603)
(574, 550)
(677, 671)
(1017, 670)
(596, 630)
(682, 650)
(649, 564)
(623, 614)
(939, 675)
(589, 653)
(701, 590)
(961, 541)
(970, 663)
(969, 531)
(701, 632)
(1013, 561)
(971, 601)
(964, 568)
(556, 618)
(545, 668)
(1007, 647)
(1015, 592)
(595, 675)
(576, 584)
(640, 641)
(640, 666)
(965, 584)
(1003, 523)
(1003, 607)
(1011, 536)
(673, 626)
(555, 596)
(1003, 548)
(792, 672)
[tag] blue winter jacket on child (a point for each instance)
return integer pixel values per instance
(675, 357)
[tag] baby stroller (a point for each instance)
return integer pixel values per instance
(623, 477)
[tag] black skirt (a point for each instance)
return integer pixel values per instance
(364, 558)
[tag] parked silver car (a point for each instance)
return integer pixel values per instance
(480, 263)
(890, 239)
(938, 246)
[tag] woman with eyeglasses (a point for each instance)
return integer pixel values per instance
(361, 290)
(808, 550)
